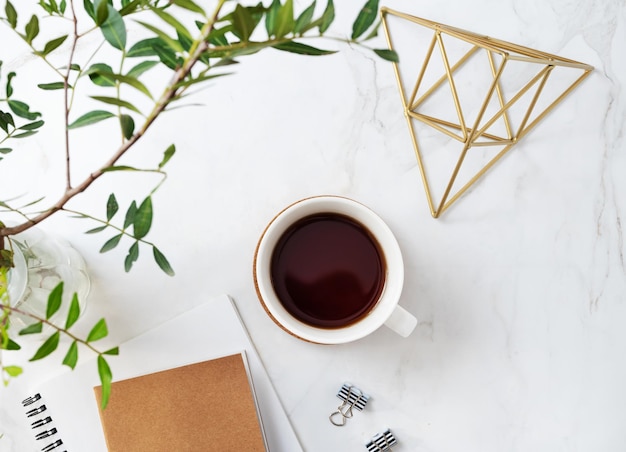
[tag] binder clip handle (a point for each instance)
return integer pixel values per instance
(351, 397)
(338, 418)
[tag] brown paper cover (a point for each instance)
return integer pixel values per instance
(204, 407)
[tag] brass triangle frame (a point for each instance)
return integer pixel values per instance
(469, 136)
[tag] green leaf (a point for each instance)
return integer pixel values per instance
(224, 62)
(98, 331)
(116, 101)
(185, 42)
(201, 79)
(218, 35)
(162, 261)
(112, 206)
(22, 110)
(140, 68)
(284, 20)
(13, 371)
(12, 345)
(166, 40)
(130, 7)
(11, 14)
(35, 328)
(111, 243)
(5, 150)
(9, 89)
(54, 300)
(189, 5)
(132, 81)
(130, 214)
(171, 20)
(71, 357)
(96, 230)
(101, 74)
(128, 126)
(271, 17)
(143, 219)
(374, 31)
(51, 86)
(24, 134)
(47, 347)
(53, 44)
(45, 6)
(243, 23)
(304, 19)
(113, 351)
(89, 8)
(73, 313)
(104, 371)
(386, 54)
(167, 57)
(303, 49)
(144, 48)
(365, 19)
(32, 29)
(132, 256)
(114, 29)
(102, 11)
(32, 125)
(90, 118)
(32, 203)
(327, 17)
(5, 120)
(110, 169)
(6, 256)
(167, 155)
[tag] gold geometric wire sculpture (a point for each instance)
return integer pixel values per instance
(480, 133)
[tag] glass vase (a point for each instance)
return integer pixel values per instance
(41, 262)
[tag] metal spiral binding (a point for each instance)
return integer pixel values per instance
(382, 442)
(49, 433)
(352, 397)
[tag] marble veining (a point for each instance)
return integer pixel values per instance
(520, 288)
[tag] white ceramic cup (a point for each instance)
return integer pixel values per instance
(386, 311)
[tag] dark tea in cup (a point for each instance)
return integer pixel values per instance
(328, 270)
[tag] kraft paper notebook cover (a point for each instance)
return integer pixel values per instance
(198, 407)
(209, 331)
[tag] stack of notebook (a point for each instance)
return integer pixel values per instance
(194, 383)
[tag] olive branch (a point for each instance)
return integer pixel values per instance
(191, 46)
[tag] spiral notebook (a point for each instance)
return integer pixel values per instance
(64, 412)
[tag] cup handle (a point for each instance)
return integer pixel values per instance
(401, 321)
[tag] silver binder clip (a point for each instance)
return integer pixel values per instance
(352, 397)
(382, 442)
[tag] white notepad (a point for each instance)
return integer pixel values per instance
(210, 330)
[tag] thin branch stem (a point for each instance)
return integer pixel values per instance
(111, 225)
(54, 326)
(66, 98)
(198, 48)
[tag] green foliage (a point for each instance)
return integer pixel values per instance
(53, 340)
(365, 19)
(182, 46)
(91, 118)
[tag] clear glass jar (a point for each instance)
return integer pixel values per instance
(41, 263)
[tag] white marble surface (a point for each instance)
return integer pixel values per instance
(520, 287)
